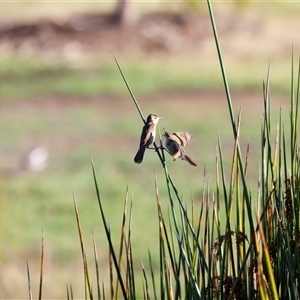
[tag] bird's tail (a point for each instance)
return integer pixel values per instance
(139, 155)
(189, 160)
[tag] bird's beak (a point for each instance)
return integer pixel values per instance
(160, 117)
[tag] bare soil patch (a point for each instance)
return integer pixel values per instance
(94, 33)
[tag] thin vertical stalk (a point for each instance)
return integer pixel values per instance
(29, 281)
(41, 267)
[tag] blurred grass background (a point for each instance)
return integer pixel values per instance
(78, 108)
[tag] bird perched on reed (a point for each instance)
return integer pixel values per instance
(147, 136)
(175, 142)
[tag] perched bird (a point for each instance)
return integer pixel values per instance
(175, 142)
(147, 136)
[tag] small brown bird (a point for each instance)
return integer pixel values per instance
(175, 142)
(147, 136)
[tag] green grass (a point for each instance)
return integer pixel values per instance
(39, 77)
(82, 110)
(76, 131)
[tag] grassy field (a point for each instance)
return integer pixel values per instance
(81, 111)
(75, 131)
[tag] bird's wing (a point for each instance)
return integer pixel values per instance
(182, 152)
(184, 137)
(146, 134)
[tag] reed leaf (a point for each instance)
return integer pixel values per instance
(85, 266)
(41, 267)
(107, 232)
(28, 281)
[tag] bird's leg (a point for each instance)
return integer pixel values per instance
(157, 148)
(164, 148)
(167, 150)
